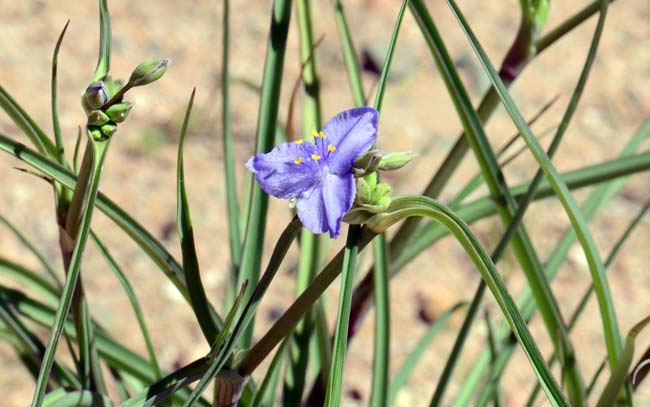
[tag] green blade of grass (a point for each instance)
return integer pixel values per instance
(587, 295)
(608, 315)
(349, 54)
(149, 244)
(99, 149)
(246, 317)
(232, 201)
(310, 244)
(32, 248)
(578, 399)
(115, 355)
(56, 127)
(414, 357)
(104, 59)
(267, 119)
(619, 373)
(25, 123)
(598, 198)
(81, 398)
(381, 357)
(32, 347)
(339, 347)
(133, 299)
(424, 206)
(522, 245)
(37, 284)
(195, 289)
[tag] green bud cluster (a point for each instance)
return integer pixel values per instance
(103, 99)
(372, 198)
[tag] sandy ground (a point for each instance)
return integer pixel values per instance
(417, 115)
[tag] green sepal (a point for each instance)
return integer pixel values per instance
(119, 111)
(96, 133)
(109, 129)
(97, 118)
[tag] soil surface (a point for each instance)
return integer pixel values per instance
(418, 115)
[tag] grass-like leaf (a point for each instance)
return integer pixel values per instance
(195, 289)
(27, 125)
(148, 243)
(104, 59)
(506, 208)
(423, 206)
(133, 298)
(608, 315)
(267, 119)
(99, 149)
(56, 127)
(339, 347)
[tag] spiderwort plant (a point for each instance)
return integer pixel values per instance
(318, 174)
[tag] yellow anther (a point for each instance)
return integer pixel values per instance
(322, 135)
(315, 157)
(331, 148)
(314, 133)
(299, 141)
(297, 160)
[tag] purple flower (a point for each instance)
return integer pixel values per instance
(319, 174)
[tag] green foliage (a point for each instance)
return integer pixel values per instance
(31, 298)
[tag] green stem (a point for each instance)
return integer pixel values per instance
(268, 114)
(334, 383)
(229, 155)
(299, 347)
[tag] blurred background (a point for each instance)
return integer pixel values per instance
(417, 115)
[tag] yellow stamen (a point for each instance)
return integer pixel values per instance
(314, 133)
(299, 141)
(315, 157)
(322, 135)
(297, 160)
(331, 148)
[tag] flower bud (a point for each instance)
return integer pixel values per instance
(395, 160)
(148, 71)
(97, 118)
(95, 96)
(367, 163)
(372, 196)
(119, 111)
(229, 387)
(108, 129)
(96, 134)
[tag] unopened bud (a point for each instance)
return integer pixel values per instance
(95, 96)
(119, 111)
(108, 129)
(368, 162)
(395, 160)
(229, 387)
(96, 134)
(148, 71)
(97, 118)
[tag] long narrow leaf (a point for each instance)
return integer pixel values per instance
(191, 268)
(608, 315)
(267, 119)
(133, 298)
(99, 153)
